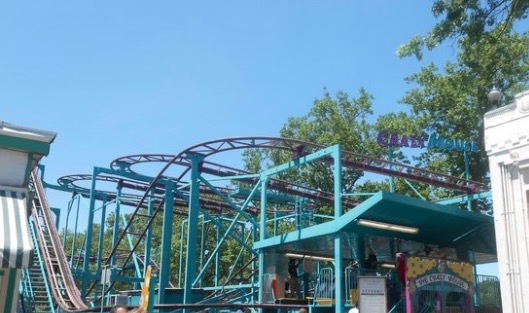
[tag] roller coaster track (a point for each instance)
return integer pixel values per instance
(66, 293)
(296, 147)
(62, 284)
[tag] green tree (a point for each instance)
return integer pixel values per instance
(331, 121)
(489, 293)
(452, 101)
(469, 19)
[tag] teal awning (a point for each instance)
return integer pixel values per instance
(437, 224)
(15, 244)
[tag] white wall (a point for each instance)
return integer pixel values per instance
(507, 145)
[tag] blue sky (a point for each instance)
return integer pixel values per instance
(114, 78)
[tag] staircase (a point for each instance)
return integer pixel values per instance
(36, 291)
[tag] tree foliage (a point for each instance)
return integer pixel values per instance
(451, 99)
(470, 19)
(331, 121)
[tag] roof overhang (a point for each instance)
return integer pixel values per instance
(437, 224)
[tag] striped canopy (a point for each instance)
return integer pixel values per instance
(15, 244)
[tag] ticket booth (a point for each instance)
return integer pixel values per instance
(437, 285)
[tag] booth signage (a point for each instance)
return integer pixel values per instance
(440, 277)
(387, 139)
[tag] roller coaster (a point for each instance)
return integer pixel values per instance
(218, 237)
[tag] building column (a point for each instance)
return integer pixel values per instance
(507, 145)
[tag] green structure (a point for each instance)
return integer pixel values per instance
(21, 149)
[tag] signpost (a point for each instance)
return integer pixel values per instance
(372, 291)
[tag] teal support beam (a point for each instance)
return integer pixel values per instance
(87, 275)
(150, 305)
(218, 255)
(101, 232)
(148, 234)
(337, 156)
(75, 232)
(227, 233)
(167, 233)
(467, 175)
(361, 253)
(476, 196)
(193, 209)
(115, 235)
(255, 280)
(181, 266)
(391, 178)
(202, 248)
(338, 272)
(66, 223)
(262, 231)
(339, 275)
(240, 209)
(300, 161)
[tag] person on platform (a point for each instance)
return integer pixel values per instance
(294, 281)
(119, 309)
(355, 308)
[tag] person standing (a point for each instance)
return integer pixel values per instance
(119, 309)
(294, 281)
(354, 309)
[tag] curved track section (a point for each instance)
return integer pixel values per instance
(59, 275)
(299, 147)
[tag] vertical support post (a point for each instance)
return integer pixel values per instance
(475, 273)
(218, 255)
(202, 248)
(339, 275)
(262, 235)
(467, 176)
(275, 223)
(74, 240)
(193, 207)
(167, 232)
(255, 280)
(148, 235)
(70, 204)
(117, 219)
(180, 266)
(391, 178)
(89, 231)
(101, 233)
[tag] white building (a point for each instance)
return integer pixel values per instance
(507, 145)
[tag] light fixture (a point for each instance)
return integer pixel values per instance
(309, 257)
(494, 96)
(386, 226)
(388, 265)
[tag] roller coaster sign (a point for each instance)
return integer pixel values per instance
(387, 139)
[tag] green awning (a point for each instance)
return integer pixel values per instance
(15, 244)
